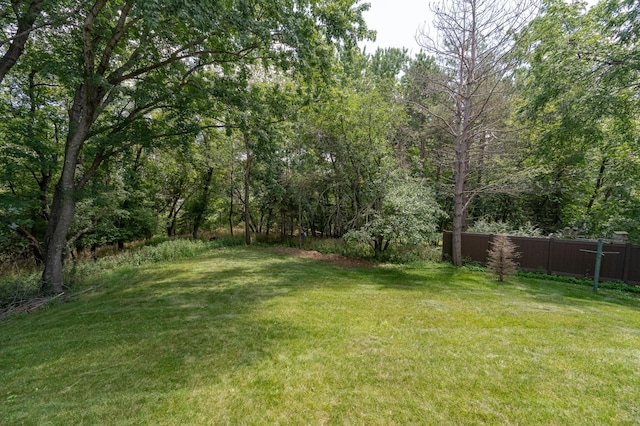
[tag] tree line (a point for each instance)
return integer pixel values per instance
(125, 119)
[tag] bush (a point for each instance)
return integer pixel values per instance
(407, 253)
(501, 257)
(503, 228)
(157, 250)
(609, 285)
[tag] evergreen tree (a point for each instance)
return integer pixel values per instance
(502, 255)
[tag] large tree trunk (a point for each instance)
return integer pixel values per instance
(459, 202)
(62, 210)
(83, 113)
(203, 203)
(247, 191)
(464, 104)
(460, 171)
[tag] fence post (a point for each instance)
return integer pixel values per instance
(446, 245)
(626, 265)
(549, 256)
(596, 273)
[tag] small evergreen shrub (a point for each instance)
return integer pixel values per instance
(501, 257)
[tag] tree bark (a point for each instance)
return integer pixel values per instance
(599, 181)
(466, 81)
(62, 211)
(459, 200)
(25, 24)
(247, 191)
(83, 113)
(203, 204)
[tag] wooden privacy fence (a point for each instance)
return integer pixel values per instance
(573, 258)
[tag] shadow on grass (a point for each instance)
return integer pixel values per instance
(572, 294)
(146, 332)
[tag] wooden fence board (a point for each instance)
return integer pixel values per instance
(632, 265)
(574, 258)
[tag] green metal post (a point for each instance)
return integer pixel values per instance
(596, 273)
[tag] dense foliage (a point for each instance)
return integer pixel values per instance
(122, 120)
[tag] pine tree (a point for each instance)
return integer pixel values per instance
(501, 257)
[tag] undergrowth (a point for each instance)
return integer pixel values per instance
(18, 287)
(587, 282)
(609, 285)
(396, 253)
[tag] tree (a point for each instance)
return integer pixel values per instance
(430, 142)
(32, 123)
(580, 106)
(405, 213)
(501, 257)
(206, 167)
(473, 47)
(260, 109)
(22, 20)
(135, 57)
(348, 132)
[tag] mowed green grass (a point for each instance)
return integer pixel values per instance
(252, 336)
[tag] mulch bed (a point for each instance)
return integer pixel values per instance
(336, 259)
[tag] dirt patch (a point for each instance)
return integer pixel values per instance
(336, 259)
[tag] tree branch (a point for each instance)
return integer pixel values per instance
(118, 33)
(24, 29)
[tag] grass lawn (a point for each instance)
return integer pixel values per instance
(253, 336)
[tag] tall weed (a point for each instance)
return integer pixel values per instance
(15, 288)
(23, 286)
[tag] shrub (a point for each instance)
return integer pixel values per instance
(405, 213)
(501, 257)
(481, 226)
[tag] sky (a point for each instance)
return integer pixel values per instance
(398, 21)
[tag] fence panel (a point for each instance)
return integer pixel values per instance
(476, 247)
(575, 258)
(569, 258)
(534, 253)
(613, 261)
(632, 265)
